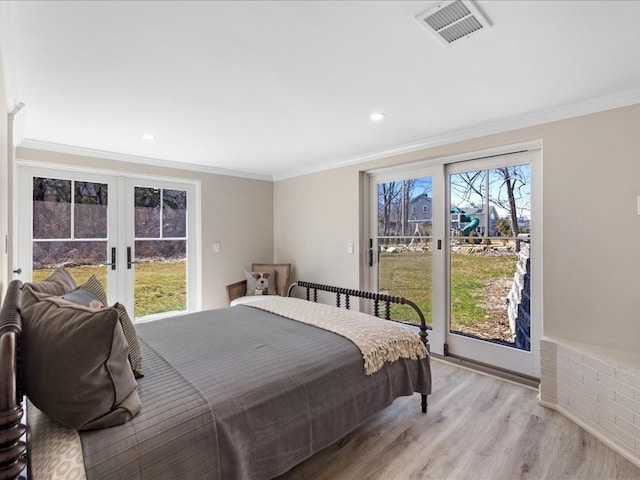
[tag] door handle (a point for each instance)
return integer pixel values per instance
(17, 271)
(129, 261)
(113, 259)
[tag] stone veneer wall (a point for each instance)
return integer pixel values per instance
(519, 308)
(597, 388)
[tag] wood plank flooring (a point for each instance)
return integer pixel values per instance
(478, 427)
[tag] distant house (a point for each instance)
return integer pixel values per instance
(415, 221)
(420, 208)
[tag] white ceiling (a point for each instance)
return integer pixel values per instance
(276, 89)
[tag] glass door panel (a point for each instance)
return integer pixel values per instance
(160, 250)
(489, 264)
(70, 227)
(404, 243)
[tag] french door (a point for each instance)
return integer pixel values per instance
(137, 236)
(458, 238)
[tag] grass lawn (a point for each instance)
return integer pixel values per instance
(408, 274)
(159, 286)
(470, 276)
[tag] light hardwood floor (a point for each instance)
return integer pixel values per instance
(477, 427)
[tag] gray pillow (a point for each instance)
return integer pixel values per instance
(58, 283)
(83, 297)
(251, 282)
(74, 363)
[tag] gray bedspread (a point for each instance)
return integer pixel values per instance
(241, 393)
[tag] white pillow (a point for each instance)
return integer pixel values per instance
(245, 300)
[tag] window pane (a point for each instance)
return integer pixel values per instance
(490, 267)
(81, 258)
(405, 244)
(147, 212)
(160, 276)
(510, 193)
(174, 213)
(468, 203)
(51, 208)
(90, 210)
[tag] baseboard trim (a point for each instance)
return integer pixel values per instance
(485, 369)
(616, 447)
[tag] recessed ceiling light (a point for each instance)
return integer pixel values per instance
(376, 117)
(148, 137)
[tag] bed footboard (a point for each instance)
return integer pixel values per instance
(343, 299)
(12, 446)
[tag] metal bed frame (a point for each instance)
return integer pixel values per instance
(376, 298)
(13, 447)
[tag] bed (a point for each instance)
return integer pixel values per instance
(245, 392)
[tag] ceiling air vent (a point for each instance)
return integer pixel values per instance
(453, 20)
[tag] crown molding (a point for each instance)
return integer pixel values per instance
(513, 123)
(88, 152)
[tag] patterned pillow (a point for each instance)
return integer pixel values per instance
(53, 447)
(251, 281)
(135, 356)
(94, 286)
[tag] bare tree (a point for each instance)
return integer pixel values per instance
(502, 190)
(510, 178)
(407, 193)
(469, 187)
(387, 198)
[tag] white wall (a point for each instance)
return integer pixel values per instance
(591, 178)
(4, 186)
(314, 220)
(236, 212)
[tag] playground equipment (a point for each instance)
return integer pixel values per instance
(471, 220)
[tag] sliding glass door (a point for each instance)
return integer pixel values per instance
(456, 238)
(489, 275)
(403, 245)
